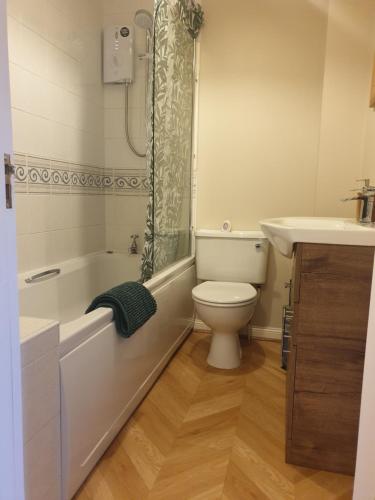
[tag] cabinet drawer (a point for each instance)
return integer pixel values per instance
(315, 458)
(332, 306)
(325, 426)
(342, 260)
(329, 371)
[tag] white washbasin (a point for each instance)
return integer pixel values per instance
(285, 231)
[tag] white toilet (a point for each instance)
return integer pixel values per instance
(230, 263)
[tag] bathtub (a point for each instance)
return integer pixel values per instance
(103, 377)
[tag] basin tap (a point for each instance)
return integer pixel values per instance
(367, 198)
(133, 249)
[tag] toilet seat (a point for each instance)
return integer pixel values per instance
(224, 294)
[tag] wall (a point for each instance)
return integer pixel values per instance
(79, 188)
(283, 102)
(345, 104)
(57, 113)
(126, 209)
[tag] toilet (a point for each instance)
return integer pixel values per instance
(231, 264)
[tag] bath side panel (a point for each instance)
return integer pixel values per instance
(105, 378)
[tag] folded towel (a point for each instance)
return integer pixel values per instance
(132, 305)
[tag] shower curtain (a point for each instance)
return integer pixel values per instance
(170, 119)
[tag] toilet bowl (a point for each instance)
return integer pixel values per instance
(229, 263)
(225, 307)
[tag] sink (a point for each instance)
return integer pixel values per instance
(285, 231)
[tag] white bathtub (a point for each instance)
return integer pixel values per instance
(104, 376)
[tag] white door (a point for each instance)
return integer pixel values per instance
(364, 485)
(11, 447)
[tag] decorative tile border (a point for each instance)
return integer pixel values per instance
(41, 175)
(130, 180)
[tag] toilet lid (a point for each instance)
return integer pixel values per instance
(220, 292)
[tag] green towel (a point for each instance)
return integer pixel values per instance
(132, 305)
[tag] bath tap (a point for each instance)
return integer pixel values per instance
(133, 249)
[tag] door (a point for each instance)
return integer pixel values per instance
(364, 485)
(11, 445)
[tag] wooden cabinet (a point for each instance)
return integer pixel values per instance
(331, 296)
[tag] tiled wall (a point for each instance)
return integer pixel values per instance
(57, 114)
(125, 215)
(73, 164)
(55, 65)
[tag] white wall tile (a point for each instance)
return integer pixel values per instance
(113, 96)
(41, 393)
(22, 214)
(59, 211)
(23, 256)
(119, 155)
(31, 133)
(35, 50)
(42, 463)
(16, 47)
(58, 104)
(14, 9)
(36, 249)
(38, 207)
(34, 15)
(114, 123)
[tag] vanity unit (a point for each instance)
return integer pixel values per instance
(330, 298)
(328, 314)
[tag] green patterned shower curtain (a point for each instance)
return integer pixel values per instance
(167, 235)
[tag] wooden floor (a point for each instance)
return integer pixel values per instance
(207, 434)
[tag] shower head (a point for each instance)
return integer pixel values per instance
(143, 19)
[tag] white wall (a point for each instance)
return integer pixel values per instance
(126, 215)
(57, 111)
(79, 188)
(284, 89)
(345, 104)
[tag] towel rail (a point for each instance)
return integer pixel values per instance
(42, 276)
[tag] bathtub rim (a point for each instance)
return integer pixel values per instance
(79, 330)
(65, 266)
(70, 265)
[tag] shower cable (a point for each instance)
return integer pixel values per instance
(131, 146)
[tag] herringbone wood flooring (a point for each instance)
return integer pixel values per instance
(207, 434)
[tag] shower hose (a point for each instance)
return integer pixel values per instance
(127, 134)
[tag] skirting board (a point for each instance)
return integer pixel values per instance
(258, 332)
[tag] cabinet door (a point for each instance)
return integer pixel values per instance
(325, 429)
(324, 417)
(341, 260)
(332, 306)
(329, 371)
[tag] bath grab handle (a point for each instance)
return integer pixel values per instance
(44, 275)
